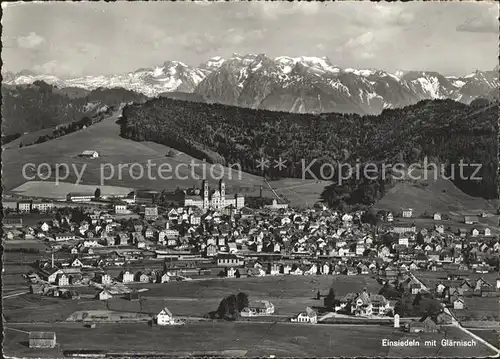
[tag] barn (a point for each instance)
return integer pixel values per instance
(42, 339)
(89, 154)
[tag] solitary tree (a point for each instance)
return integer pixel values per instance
(242, 301)
(97, 193)
(330, 300)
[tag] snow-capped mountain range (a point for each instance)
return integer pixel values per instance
(295, 84)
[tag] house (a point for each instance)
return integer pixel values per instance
(42, 339)
(230, 272)
(76, 263)
(481, 284)
(62, 280)
(437, 216)
(12, 222)
(230, 260)
(471, 220)
(126, 277)
(151, 212)
(89, 154)
(165, 317)
(425, 325)
(403, 241)
(458, 303)
(142, 277)
(24, 206)
(402, 228)
(103, 278)
(362, 305)
(309, 316)
(121, 209)
(258, 308)
(42, 206)
(163, 278)
(59, 237)
(389, 217)
(50, 275)
(475, 232)
(407, 213)
(487, 232)
(211, 250)
(104, 295)
(440, 287)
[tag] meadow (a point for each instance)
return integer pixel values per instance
(104, 137)
(245, 338)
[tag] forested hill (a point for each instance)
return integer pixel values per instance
(443, 130)
(28, 108)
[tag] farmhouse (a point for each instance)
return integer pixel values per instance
(104, 295)
(89, 154)
(458, 303)
(126, 277)
(437, 216)
(426, 325)
(309, 316)
(258, 308)
(471, 220)
(50, 275)
(165, 317)
(42, 339)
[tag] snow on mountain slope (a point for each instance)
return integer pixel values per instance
(304, 83)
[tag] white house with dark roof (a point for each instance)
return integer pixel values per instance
(165, 317)
(89, 154)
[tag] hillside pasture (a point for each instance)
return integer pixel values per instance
(116, 152)
(59, 190)
(432, 193)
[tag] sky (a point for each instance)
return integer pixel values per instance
(69, 39)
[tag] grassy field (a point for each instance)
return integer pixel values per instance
(300, 193)
(247, 339)
(289, 294)
(30, 308)
(104, 137)
(490, 335)
(433, 195)
(59, 190)
(478, 308)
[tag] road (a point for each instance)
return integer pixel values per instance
(14, 295)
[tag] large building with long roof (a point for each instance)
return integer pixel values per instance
(207, 198)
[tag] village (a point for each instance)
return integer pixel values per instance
(131, 249)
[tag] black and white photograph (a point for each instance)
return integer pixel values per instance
(250, 179)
